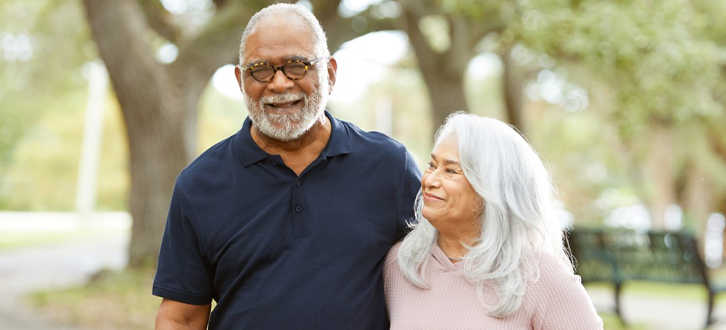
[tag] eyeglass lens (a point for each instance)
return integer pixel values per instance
(293, 70)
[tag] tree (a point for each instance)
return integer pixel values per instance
(444, 40)
(41, 54)
(159, 101)
(652, 70)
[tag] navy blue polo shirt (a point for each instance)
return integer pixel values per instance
(281, 251)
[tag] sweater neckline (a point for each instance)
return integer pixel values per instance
(444, 262)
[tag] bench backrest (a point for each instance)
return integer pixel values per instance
(620, 255)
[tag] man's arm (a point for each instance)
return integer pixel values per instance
(174, 315)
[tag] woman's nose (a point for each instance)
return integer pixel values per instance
(432, 179)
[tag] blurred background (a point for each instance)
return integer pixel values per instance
(103, 102)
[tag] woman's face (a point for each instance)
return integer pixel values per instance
(450, 202)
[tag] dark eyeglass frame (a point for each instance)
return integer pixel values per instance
(281, 67)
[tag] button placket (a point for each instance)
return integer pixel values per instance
(298, 195)
(300, 221)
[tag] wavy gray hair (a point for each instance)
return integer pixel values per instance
(321, 42)
(517, 224)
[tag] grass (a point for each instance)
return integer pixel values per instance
(112, 300)
(21, 239)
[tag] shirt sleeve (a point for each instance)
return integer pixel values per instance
(182, 273)
(560, 301)
(409, 188)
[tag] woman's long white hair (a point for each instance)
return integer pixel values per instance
(517, 224)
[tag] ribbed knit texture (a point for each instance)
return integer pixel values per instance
(556, 301)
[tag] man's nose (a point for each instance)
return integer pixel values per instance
(280, 82)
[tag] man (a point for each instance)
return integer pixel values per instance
(286, 223)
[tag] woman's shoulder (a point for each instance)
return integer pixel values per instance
(556, 297)
(553, 272)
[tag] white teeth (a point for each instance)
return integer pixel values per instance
(282, 105)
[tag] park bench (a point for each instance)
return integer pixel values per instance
(618, 256)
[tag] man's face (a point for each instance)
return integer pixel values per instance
(282, 108)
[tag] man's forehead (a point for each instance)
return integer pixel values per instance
(279, 42)
(281, 24)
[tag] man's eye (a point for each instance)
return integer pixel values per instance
(261, 69)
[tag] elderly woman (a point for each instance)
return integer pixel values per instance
(486, 252)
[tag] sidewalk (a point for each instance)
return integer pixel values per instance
(26, 270)
(657, 313)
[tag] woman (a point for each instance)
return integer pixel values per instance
(486, 252)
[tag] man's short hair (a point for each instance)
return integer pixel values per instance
(321, 42)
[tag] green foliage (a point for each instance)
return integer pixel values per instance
(45, 78)
(647, 52)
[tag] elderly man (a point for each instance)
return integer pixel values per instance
(286, 223)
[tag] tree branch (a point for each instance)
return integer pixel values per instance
(217, 43)
(117, 27)
(160, 20)
(340, 29)
(412, 14)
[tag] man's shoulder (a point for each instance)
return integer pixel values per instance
(216, 159)
(371, 139)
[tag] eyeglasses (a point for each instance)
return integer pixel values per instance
(293, 69)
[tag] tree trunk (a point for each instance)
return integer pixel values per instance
(698, 201)
(446, 94)
(443, 72)
(660, 164)
(159, 104)
(512, 87)
(153, 116)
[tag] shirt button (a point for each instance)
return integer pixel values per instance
(297, 183)
(298, 209)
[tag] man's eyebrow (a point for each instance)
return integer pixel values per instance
(284, 60)
(256, 62)
(295, 58)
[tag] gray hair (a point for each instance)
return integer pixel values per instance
(321, 42)
(518, 223)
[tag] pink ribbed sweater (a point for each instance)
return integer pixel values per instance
(557, 301)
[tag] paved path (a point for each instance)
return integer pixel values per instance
(26, 270)
(657, 313)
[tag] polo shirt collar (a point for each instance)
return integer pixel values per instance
(250, 153)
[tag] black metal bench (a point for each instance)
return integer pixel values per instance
(617, 256)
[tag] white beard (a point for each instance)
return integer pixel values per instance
(288, 126)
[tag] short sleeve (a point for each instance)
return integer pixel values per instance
(182, 273)
(410, 186)
(560, 301)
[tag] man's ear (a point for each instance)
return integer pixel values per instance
(332, 70)
(238, 74)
